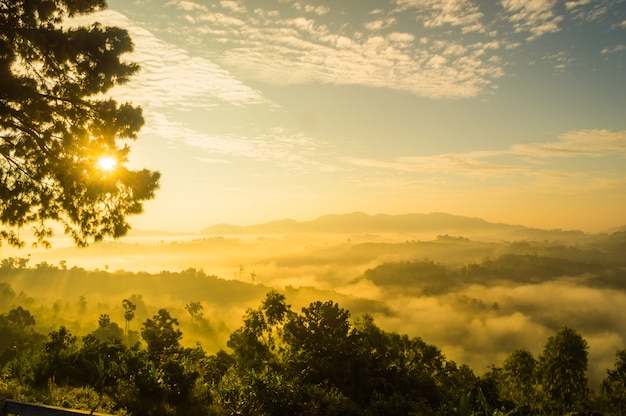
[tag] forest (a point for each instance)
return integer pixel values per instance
(528, 327)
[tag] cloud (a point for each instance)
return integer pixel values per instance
(276, 145)
(535, 17)
(171, 77)
(576, 3)
(186, 5)
(321, 45)
(437, 13)
(561, 60)
(584, 143)
(430, 48)
(588, 10)
(449, 163)
(532, 167)
(613, 49)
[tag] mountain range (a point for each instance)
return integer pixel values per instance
(359, 222)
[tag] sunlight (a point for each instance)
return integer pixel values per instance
(106, 163)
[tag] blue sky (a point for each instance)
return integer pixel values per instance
(510, 110)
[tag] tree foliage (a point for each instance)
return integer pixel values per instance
(517, 382)
(561, 372)
(162, 335)
(56, 122)
(316, 362)
(129, 313)
(613, 387)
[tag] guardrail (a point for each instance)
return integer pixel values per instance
(16, 408)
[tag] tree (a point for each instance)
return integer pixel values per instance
(162, 335)
(319, 343)
(17, 334)
(129, 313)
(517, 381)
(195, 310)
(561, 372)
(255, 344)
(56, 124)
(104, 320)
(613, 387)
(20, 317)
(107, 330)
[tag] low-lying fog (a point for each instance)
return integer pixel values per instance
(476, 296)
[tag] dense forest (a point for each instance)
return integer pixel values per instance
(331, 354)
(315, 362)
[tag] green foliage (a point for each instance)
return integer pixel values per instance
(129, 313)
(161, 334)
(255, 343)
(316, 362)
(107, 330)
(561, 372)
(517, 379)
(55, 124)
(613, 389)
(195, 310)
(17, 335)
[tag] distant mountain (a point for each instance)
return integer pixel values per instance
(616, 230)
(359, 222)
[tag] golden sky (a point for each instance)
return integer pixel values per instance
(255, 111)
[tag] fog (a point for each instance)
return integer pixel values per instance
(477, 294)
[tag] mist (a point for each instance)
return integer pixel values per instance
(476, 292)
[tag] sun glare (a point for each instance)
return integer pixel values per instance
(107, 163)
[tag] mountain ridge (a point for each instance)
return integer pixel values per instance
(359, 222)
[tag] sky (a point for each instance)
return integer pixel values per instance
(513, 111)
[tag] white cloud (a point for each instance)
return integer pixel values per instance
(613, 49)
(171, 77)
(437, 13)
(302, 52)
(576, 3)
(588, 10)
(277, 145)
(308, 8)
(380, 24)
(585, 143)
(534, 161)
(186, 5)
(234, 6)
(536, 17)
(324, 46)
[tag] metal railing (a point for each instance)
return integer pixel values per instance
(16, 408)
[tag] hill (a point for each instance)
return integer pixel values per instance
(359, 222)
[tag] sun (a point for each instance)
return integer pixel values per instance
(106, 163)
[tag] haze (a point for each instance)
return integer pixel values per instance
(475, 289)
(509, 111)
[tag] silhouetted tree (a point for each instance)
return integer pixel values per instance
(254, 344)
(129, 313)
(613, 388)
(17, 335)
(107, 331)
(20, 317)
(561, 372)
(517, 379)
(195, 310)
(104, 320)
(319, 343)
(162, 335)
(55, 124)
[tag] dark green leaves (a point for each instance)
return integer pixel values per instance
(55, 124)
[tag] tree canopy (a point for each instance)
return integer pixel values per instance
(57, 126)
